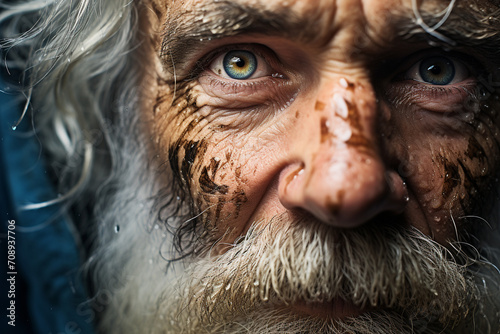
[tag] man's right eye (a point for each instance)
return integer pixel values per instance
(240, 65)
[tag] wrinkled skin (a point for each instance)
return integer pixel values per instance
(336, 125)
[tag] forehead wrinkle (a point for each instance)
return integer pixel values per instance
(186, 30)
(471, 24)
(467, 25)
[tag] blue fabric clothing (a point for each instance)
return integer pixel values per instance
(47, 256)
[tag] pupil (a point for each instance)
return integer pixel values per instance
(434, 69)
(239, 62)
(437, 70)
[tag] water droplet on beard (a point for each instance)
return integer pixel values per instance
(228, 286)
(117, 228)
(256, 283)
(481, 129)
(178, 198)
(14, 128)
(407, 198)
(157, 226)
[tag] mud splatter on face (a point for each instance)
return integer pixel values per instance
(452, 178)
(320, 106)
(199, 172)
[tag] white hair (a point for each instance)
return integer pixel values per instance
(75, 58)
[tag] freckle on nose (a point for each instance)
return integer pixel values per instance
(320, 106)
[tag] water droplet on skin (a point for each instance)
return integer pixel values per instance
(437, 219)
(469, 117)
(340, 106)
(117, 228)
(407, 198)
(343, 83)
(343, 131)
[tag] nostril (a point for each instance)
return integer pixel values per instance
(341, 193)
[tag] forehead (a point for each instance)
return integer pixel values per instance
(326, 16)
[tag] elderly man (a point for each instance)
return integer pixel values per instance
(273, 166)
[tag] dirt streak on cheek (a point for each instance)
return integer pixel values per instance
(469, 175)
(187, 136)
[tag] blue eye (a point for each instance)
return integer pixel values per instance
(240, 64)
(437, 70)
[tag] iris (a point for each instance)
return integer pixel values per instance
(437, 70)
(240, 64)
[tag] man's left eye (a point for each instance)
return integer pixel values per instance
(438, 70)
(240, 65)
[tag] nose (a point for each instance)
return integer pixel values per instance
(337, 172)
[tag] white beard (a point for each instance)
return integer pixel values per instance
(297, 261)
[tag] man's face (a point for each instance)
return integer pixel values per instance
(339, 114)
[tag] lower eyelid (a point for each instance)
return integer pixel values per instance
(233, 88)
(222, 93)
(442, 99)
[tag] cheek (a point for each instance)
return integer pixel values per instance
(449, 163)
(204, 157)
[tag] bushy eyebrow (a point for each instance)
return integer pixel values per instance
(187, 32)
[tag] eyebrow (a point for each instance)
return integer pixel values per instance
(189, 31)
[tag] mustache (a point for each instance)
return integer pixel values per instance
(382, 265)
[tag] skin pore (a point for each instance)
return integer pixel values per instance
(353, 115)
